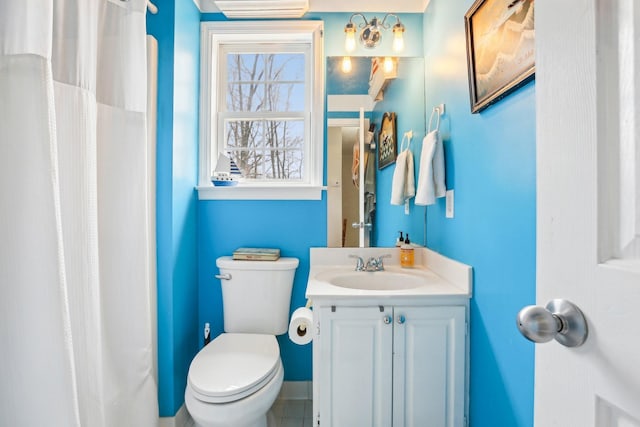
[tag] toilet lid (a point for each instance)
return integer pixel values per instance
(233, 365)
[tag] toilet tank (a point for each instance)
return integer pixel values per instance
(256, 296)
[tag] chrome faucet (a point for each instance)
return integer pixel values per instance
(359, 262)
(373, 263)
(376, 264)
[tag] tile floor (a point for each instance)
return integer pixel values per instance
(286, 413)
(293, 413)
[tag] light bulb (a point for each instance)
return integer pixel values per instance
(398, 38)
(350, 38)
(388, 64)
(346, 64)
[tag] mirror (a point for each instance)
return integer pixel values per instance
(353, 101)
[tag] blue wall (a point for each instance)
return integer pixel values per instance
(177, 29)
(490, 160)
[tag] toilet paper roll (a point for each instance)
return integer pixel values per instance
(300, 326)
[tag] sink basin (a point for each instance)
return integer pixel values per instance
(333, 280)
(376, 281)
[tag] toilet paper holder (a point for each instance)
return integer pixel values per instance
(300, 325)
(300, 330)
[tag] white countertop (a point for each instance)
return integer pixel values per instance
(444, 278)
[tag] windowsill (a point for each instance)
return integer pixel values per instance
(262, 192)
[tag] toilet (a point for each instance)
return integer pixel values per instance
(234, 380)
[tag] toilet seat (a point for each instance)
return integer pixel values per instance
(233, 366)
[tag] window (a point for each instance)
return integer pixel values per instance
(262, 104)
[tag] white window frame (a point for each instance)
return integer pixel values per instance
(214, 35)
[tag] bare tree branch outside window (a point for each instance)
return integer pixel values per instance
(266, 137)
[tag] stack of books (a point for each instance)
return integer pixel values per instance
(256, 254)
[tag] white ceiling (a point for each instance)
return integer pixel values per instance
(394, 6)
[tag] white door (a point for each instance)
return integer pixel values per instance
(588, 224)
(428, 366)
(355, 372)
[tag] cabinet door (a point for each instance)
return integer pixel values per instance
(429, 367)
(355, 367)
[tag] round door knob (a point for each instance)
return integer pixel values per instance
(386, 319)
(400, 319)
(561, 320)
(538, 324)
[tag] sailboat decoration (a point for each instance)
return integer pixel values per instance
(227, 173)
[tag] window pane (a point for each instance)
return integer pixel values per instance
(267, 149)
(283, 165)
(249, 162)
(290, 66)
(285, 97)
(265, 82)
(243, 134)
(245, 67)
(245, 96)
(283, 134)
(294, 134)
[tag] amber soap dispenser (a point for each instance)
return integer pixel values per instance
(407, 256)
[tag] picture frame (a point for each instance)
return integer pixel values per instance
(387, 140)
(500, 49)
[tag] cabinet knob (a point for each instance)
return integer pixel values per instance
(386, 319)
(400, 319)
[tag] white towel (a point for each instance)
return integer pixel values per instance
(403, 186)
(431, 173)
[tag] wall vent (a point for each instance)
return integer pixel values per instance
(245, 9)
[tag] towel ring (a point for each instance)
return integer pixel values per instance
(435, 110)
(407, 135)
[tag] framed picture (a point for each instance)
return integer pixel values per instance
(500, 49)
(387, 141)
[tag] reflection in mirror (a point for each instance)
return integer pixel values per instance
(351, 179)
(367, 182)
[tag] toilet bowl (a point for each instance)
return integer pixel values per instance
(234, 381)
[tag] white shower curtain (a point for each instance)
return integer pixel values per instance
(75, 312)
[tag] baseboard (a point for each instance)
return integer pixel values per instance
(296, 390)
(181, 419)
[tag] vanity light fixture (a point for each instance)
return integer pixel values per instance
(371, 33)
(398, 37)
(350, 37)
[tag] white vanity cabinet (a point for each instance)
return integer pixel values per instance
(390, 346)
(389, 365)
